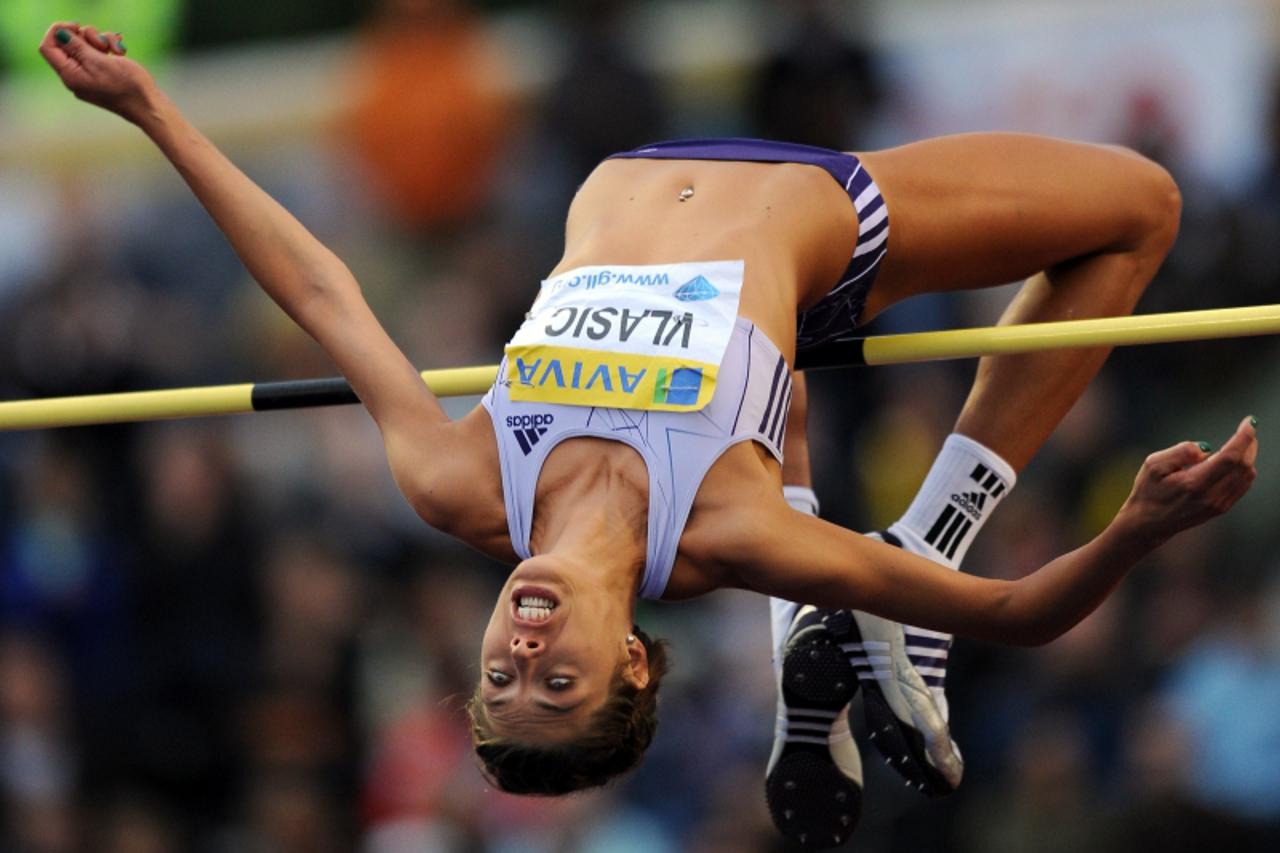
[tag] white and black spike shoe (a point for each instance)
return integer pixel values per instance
(814, 779)
(903, 717)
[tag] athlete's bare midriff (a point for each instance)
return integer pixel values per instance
(792, 225)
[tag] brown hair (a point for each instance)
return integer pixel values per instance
(615, 739)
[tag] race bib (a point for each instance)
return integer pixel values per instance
(628, 337)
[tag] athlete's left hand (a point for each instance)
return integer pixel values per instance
(1186, 485)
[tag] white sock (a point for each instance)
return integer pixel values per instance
(782, 612)
(963, 487)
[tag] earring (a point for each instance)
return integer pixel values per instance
(631, 638)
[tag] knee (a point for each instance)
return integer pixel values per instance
(1164, 209)
(1156, 207)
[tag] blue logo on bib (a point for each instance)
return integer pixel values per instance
(696, 289)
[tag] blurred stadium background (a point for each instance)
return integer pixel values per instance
(231, 635)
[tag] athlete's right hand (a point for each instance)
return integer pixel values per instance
(1185, 485)
(93, 66)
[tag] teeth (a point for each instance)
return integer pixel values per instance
(535, 607)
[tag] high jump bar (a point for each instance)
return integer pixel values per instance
(464, 381)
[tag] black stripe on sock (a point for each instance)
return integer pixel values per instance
(963, 532)
(978, 473)
(934, 532)
(956, 523)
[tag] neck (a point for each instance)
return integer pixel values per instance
(597, 522)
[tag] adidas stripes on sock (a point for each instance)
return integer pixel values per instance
(962, 489)
(964, 485)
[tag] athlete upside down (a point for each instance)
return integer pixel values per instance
(669, 484)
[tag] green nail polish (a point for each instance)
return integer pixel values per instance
(1204, 445)
(1253, 422)
(63, 36)
(103, 39)
(120, 44)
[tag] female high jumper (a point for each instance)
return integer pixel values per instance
(631, 444)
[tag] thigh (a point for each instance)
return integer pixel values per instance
(983, 209)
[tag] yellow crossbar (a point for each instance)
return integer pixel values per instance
(465, 381)
(1069, 334)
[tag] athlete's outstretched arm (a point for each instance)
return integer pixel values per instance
(306, 279)
(798, 557)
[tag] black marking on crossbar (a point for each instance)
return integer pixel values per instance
(849, 353)
(301, 394)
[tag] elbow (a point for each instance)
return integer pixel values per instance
(1038, 635)
(333, 279)
(323, 290)
(1032, 632)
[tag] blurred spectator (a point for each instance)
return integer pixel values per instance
(298, 728)
(59, 574)
(429, 119)
(1051, 800)
(605, 101)
(1153, 809)
(37, 756)
(817, 87)
(194, 618)
(1224, 693)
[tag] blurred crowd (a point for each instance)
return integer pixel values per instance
(231, 635)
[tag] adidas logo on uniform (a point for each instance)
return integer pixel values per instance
(956, 520)
(529, 429)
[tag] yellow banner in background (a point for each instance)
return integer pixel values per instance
(571, 376)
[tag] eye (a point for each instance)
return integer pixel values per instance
(559, 682)
(498, 677)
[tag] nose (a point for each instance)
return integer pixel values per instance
(525, 647)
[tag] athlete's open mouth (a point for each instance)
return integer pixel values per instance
(533, 605)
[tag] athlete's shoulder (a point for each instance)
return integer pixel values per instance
(451, 476)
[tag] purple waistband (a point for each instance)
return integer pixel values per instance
(840, 166)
